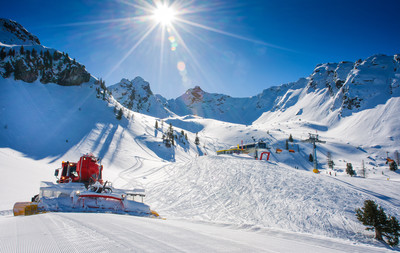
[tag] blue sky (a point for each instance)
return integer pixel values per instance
(233, 47)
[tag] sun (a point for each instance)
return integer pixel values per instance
(164, 15)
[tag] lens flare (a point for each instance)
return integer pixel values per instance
(181, 66)
(172, 18)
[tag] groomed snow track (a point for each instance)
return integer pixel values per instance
(75, 232)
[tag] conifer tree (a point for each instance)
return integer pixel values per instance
(197, 140)
(34, 53)
(311, 158)
(8, 70)
(56, 55)
(349, 169)
(290, 138)
(3, 54)
(21, 50)
(169, 138)
(156, 126)
(393, 166)
(375, 218)
(330, 161)
(119, 115)
(19, 69)
(392, 231)
(28, 55)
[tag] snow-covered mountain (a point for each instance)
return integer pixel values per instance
(346, 99)
(339, 90)
(333, 91)
(12, 33)
(215, 106)
(137, 96)
(23, 58)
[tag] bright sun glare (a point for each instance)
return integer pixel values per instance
(164, 15)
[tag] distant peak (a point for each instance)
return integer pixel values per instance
(195, 90)
(138, 79)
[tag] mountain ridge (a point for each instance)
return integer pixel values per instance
(13, 33)
(24, 58)
(348, 87)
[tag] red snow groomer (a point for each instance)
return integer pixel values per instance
(87, 170)
(80, 188)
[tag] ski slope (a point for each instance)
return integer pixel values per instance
(71, 232)
(231, 210)
(257, 194)
(255, 205)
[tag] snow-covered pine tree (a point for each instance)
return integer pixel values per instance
(330, 161)
(169, 136)
(363, 170)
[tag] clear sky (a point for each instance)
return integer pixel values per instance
(232, 47)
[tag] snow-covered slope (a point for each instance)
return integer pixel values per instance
(257, 194)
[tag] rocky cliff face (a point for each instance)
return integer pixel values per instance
(29, 61)
(352, 87)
